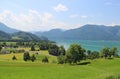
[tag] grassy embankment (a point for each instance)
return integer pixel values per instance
(97, 69)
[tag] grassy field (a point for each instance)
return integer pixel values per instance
(96, 69)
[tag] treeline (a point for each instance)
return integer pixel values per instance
(10, 47)
(74, 54)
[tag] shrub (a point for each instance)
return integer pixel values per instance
(14, 58)
(33, 58)
(61, 59)
(45, 60)
(32, 48)
(53, 50)
(26, 56)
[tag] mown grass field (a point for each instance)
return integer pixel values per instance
(96, 69)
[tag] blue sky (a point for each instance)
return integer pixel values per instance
(42, 15)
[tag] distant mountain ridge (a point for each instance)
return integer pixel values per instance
(51, 33)
(86, 32)
(7, 29)
(7, 33)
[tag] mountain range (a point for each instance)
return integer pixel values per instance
(86, 32)
(19, 36)
(7, 33)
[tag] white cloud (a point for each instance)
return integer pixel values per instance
(60, 7)
(74, 16)
(31, 21)
(78, 16)
(4, 15)
(84, 16)
(114, 24)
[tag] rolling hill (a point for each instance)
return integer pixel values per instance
(25, 36)
(19, 36)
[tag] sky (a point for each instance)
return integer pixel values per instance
(44, 15)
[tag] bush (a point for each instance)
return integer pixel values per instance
(44, 46)
(53, 50)
(33, 58)
(45, 60)
(32, 48)
(61, 59)
(26, 56)
(14, 58)
(54, 61)
(93, 55)
(0, 47)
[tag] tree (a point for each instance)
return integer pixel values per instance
(45, 60)
(4, 44)
(94, 55)
(61, 50)
(88, 54)
(32, 48)
(0, 47)
(53, 50)
(74, 53)
(105, 52)
(33, 58)
(26, 56)
(84, 55)
(113, 52)
(61, 59)
(43, 46)
(14, 58)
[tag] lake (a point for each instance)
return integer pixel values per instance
(88, 44)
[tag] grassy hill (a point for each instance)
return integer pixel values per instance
(24, 36)
(19, 36)
(96, 69)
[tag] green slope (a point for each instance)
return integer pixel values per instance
(97, 69)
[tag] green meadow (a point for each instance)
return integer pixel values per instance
(88, 69)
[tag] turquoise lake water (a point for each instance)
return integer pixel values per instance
(88, 44)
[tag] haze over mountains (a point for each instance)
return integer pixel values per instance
(7, 33)
(7, 29)
(86, 32)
